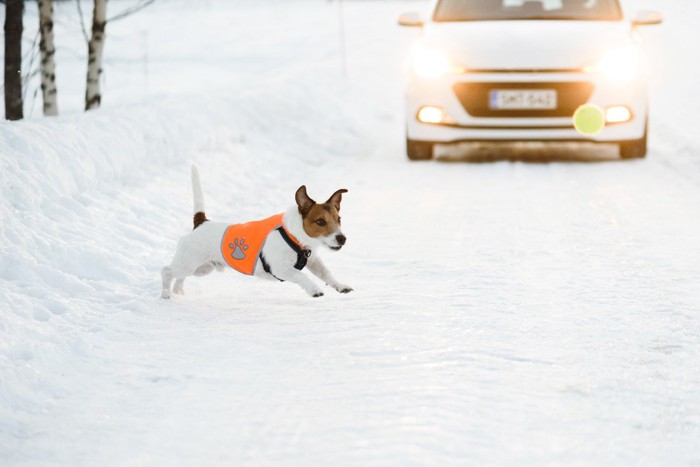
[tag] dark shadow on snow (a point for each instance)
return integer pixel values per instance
(532, 152)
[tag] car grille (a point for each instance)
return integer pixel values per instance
(475, 98)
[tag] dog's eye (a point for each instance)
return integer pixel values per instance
(320, 222)
(339, 221)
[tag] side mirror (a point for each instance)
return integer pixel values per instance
(646, 17)
(411, 19)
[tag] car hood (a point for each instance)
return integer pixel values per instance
(531, 44)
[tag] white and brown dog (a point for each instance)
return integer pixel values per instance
(277, 248)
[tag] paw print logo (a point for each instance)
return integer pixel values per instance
(238, 247)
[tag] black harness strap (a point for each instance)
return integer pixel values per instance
(266, 267)
(302, 254)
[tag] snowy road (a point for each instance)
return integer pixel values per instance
(538, 308)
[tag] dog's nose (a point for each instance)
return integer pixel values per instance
(340, 239)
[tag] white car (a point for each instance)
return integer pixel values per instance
(517, 70)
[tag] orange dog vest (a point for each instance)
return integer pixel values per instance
(242, 244)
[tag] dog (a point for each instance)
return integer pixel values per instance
(276, 248)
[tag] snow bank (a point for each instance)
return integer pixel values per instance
(62, 264)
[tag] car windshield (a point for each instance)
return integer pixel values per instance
(496, 10)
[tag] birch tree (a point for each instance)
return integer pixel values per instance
(95, 49)
(14, 10)
(48, 66)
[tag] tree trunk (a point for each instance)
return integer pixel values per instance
(95, 48)
(13, 59)
(48, 66)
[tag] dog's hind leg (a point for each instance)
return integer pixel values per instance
(167, 274)
(180, 269)
(179, 286)
(204, 269)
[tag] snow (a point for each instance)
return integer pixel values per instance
(540, 308)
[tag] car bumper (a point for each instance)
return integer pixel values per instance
(488, 126)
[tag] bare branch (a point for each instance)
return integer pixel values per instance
(31, 50)
(82, 22)
(32, 72)
(26, 79)
(31, 108)
(129, 11)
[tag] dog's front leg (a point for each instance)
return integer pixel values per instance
(298, 277)
(319, 270)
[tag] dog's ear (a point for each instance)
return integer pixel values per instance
(336, 198)
(304, 202)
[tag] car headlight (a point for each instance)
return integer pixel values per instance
(429, 62)
(620, 64)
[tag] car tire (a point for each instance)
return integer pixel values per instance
(419, 150)
(636, 149)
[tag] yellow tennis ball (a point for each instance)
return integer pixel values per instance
(589, 119)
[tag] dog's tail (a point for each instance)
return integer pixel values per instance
(199, 216)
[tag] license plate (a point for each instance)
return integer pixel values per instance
(517, 99)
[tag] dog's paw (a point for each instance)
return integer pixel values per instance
(165, 294)
(343, 288)
(313, 290)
